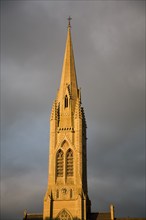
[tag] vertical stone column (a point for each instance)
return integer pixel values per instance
(112, 212)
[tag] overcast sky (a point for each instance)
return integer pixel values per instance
(109, 47)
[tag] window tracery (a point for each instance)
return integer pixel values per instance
(64, 216)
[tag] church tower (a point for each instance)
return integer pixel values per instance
(66, 197)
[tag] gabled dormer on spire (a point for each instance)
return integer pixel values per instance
(68, 78)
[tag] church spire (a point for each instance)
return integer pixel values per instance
(67, 196)
(68, 78)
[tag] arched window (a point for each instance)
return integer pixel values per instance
(66, 102)
(69, 163)
(59, 163)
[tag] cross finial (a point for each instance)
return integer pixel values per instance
(69, 19)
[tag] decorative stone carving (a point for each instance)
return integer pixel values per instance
(64, 215)
(64, 191)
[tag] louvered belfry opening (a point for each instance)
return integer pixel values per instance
(69, 163)
(59, 163)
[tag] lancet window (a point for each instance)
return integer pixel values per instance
(57, 193)
(59, 163)
(69, 163)
(70, 193)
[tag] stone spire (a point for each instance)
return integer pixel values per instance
(68, 78)
(67, 196)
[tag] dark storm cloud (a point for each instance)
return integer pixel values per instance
(108, 40)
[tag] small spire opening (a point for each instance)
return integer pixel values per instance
(66, 102)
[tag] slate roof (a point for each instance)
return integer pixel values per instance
(100, 216)
(33, 216)
(128, 218)
(93, 216)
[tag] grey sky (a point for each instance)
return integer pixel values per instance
(109, 48)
